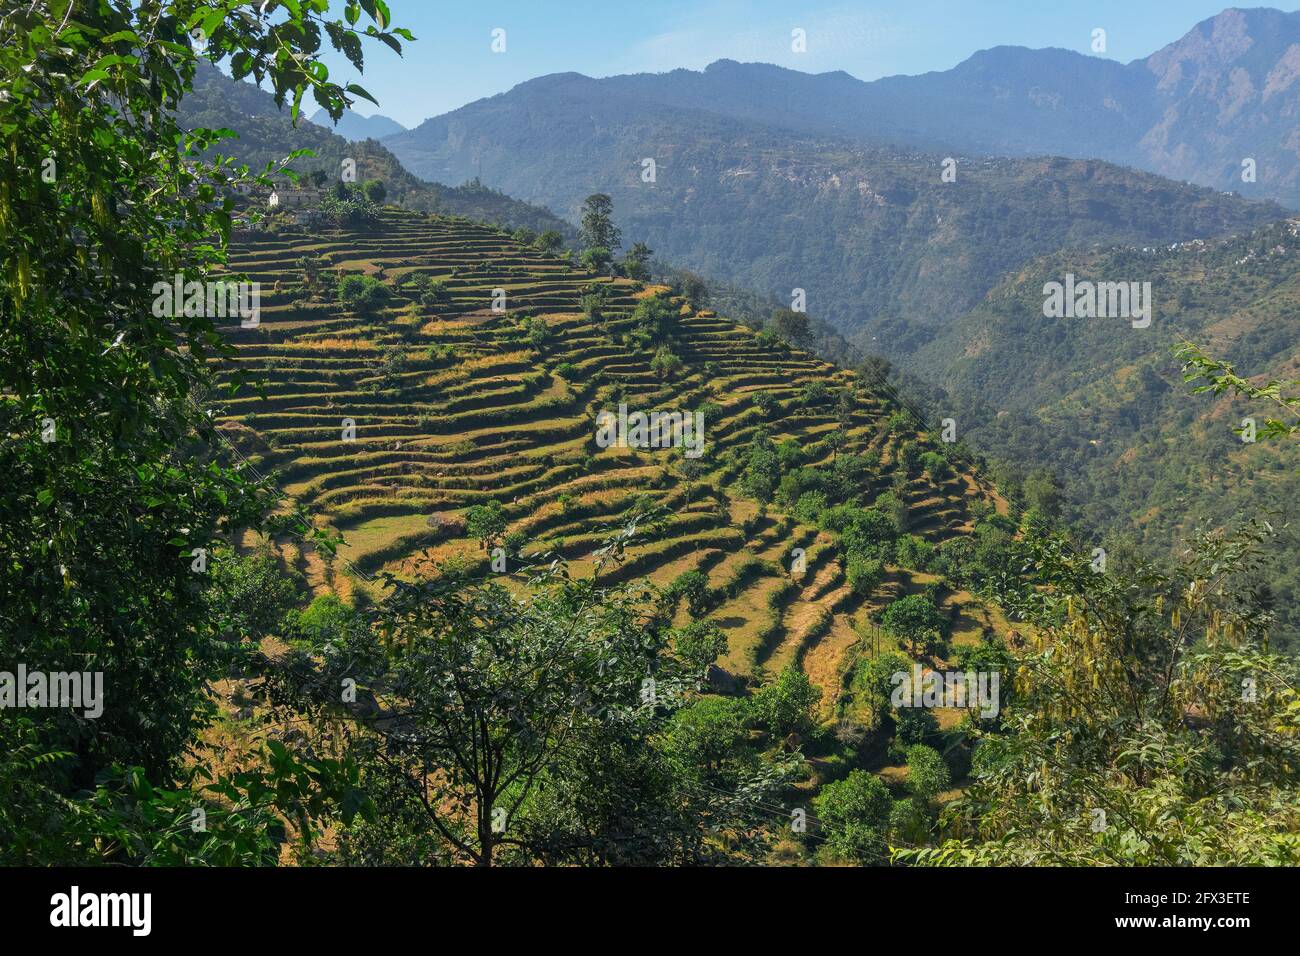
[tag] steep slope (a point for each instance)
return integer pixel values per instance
(266, 134)
(880, 243)
(455, 405)
(1103, 404)
(1229, 90)
(1194, 110)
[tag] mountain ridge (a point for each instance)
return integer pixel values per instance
(1156, 113)
(354, 126)
(871, 233)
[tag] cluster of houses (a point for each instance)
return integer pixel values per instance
(297, 200)
(292, 197)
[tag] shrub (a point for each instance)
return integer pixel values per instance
(915, 553)
(864, 574)
(694, 587)
(787, 705)
(361, 294)
(927, 774)
(854, 814)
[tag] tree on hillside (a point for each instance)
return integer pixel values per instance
(694, 288)
(699, 643)
(249, 594)
(594, 300)
(909, 457)
(762, 468)
(861, 531)
(854, 817)
(707, 734)
(936, 467)
(873, 683)
(429, 292)
(914, 725)
(665, 365)
(788, 704)
(549, 241)
(793, 327)
(499, 687)
(1041, 492)
(534, 727)
(349, 204)
(595, 259)
(916, 622)
(927, 774)
(363, 295)
(636, 264)
(864, 574)
(693, 586)
(597, 228)
(656, 318)
(485, 522)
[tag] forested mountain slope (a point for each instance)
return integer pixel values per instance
(267, 134)
(883, 246)
(1103, 404)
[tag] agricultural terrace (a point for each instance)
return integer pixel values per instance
(390, 419)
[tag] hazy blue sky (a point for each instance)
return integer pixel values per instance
(452, 62)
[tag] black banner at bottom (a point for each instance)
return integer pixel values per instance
(541, 905)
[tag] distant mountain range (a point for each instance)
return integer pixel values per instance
(357, 127)
(741, 185)
(1227, 92)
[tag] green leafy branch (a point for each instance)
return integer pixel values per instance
(1218, 377)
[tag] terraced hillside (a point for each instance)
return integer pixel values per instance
(390, 422)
